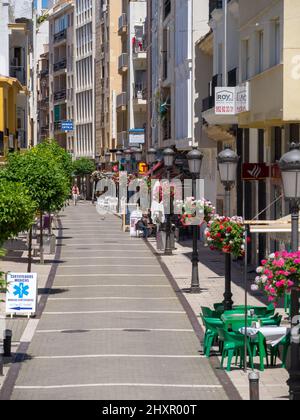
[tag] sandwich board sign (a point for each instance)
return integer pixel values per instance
(21, 295)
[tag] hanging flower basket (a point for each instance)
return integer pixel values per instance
(226, 234)
(195, 211)
(278, 274)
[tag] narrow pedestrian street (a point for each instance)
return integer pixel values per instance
(113, 327)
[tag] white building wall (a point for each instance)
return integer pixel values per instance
(84, 50)
(190, 24)
(137, 14)
(4, 50)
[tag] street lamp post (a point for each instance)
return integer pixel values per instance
(227, 164)
(107, 159)
(128, 154)
(195, 158)
(169, 155)
(138, 155)
(290, 169)
(151, 156)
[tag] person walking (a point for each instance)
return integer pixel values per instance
(75, 193)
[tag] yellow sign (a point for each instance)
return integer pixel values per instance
(143, 168)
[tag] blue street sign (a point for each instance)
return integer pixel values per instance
(67, 125)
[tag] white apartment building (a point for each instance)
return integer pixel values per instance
(61, 72)
(132, 102)
(84, 83)
(176, 27)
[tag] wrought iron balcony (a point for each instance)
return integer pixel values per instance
(60, 95)
(60, 65)
(60, 36)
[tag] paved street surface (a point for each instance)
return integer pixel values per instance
(113, 327)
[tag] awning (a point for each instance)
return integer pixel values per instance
(283, 225)
(155, 168)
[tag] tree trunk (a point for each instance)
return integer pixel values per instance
(29, 251)
(50, 225)
(41, 240)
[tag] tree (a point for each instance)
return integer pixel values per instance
(63, 158)
(17, 211)
(83, 166)
(44, 178)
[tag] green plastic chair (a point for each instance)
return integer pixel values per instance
(233, 346)
(208, 313)
(211, 334)
(275, 351)
(275, 320)
(287, 303)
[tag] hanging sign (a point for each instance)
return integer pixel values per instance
(255, 171)
(21, 295)
(225, 100)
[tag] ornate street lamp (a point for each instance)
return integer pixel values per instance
(195, 158)
(151, 156)
(119, 156)
(227, 164)
(169, 156)
(138, 153)
(290, 169)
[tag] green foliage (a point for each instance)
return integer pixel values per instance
(44, 177)
(2, 278)
(83, 166)
(57, 153)
(17, 209)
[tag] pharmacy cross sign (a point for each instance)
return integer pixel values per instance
(21, 290)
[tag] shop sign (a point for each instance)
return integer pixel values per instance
(225, 100)
(255, 171)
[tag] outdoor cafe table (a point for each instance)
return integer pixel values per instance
(237, 318)
(272, 335)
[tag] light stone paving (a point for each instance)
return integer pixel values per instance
(272, 381)
(110, 348)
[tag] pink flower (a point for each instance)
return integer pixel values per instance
(297, 261)
(290, 283)
(264, 262)
(271, 298)
(279, 263)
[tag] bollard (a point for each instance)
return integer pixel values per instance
(7, 343)
(254, 386)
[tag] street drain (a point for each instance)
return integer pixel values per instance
(74, 331)
(136, 330)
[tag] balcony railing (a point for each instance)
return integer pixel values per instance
(139, 45)
(122, 22)
(44, 73)
(123, 61)
(232, 77)
(166, 129)
(60, 36)
(208, 103)
(60, 95)
(122, 100)
(18, 72)
(140, 91)
(60, 65)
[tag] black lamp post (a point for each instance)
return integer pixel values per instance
(195, 158)
(138, 155)
(227, 164)
(169, 156)
(119, 157)
(128, 154)
(290, 169)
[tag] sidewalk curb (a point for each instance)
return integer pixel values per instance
(225, 381)
(13, 372)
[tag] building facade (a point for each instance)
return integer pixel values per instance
(84, 78)
(108, 78)
(61, 73)
(131, 102)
